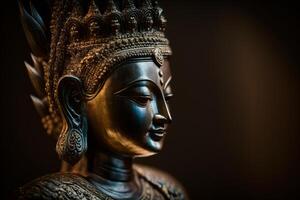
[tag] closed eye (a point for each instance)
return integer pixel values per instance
(142, 100)
(139, 93)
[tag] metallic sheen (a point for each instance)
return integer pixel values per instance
(102, 76)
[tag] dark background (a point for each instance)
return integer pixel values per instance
(236, 110)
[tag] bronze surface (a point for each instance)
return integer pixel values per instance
(103, 81)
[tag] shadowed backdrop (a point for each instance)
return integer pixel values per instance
(236, 79)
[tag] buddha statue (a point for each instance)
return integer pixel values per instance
(102, 78)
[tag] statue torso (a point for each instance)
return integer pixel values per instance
(155, 185)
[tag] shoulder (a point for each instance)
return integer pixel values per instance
(59, 186)
(163, 181)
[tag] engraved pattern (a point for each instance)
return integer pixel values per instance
(71, 145)
(158, 55)
(163, 182)
(61, 186)
(155, 186)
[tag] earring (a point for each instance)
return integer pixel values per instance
(72, 145)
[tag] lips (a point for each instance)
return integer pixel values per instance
(157, 134)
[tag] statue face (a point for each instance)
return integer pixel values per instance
(130, 114)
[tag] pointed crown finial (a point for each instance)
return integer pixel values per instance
(93, 10)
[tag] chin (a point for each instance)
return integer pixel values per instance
(147, 149)
(152, 145)
(147, 146)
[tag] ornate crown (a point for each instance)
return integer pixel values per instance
(95, 25)
(88, 39)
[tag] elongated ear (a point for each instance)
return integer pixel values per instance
(72, 142)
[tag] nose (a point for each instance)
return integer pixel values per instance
(163, 115)
(161, 120)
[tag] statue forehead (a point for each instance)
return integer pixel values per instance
(138, 70)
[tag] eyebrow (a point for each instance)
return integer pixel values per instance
(134, 82)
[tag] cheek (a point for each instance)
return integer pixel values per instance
(134, 120)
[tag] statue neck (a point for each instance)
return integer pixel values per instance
(113, 167)
(114, 175)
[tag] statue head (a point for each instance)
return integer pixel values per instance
(102, 75)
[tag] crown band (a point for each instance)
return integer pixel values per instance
(102, 57)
